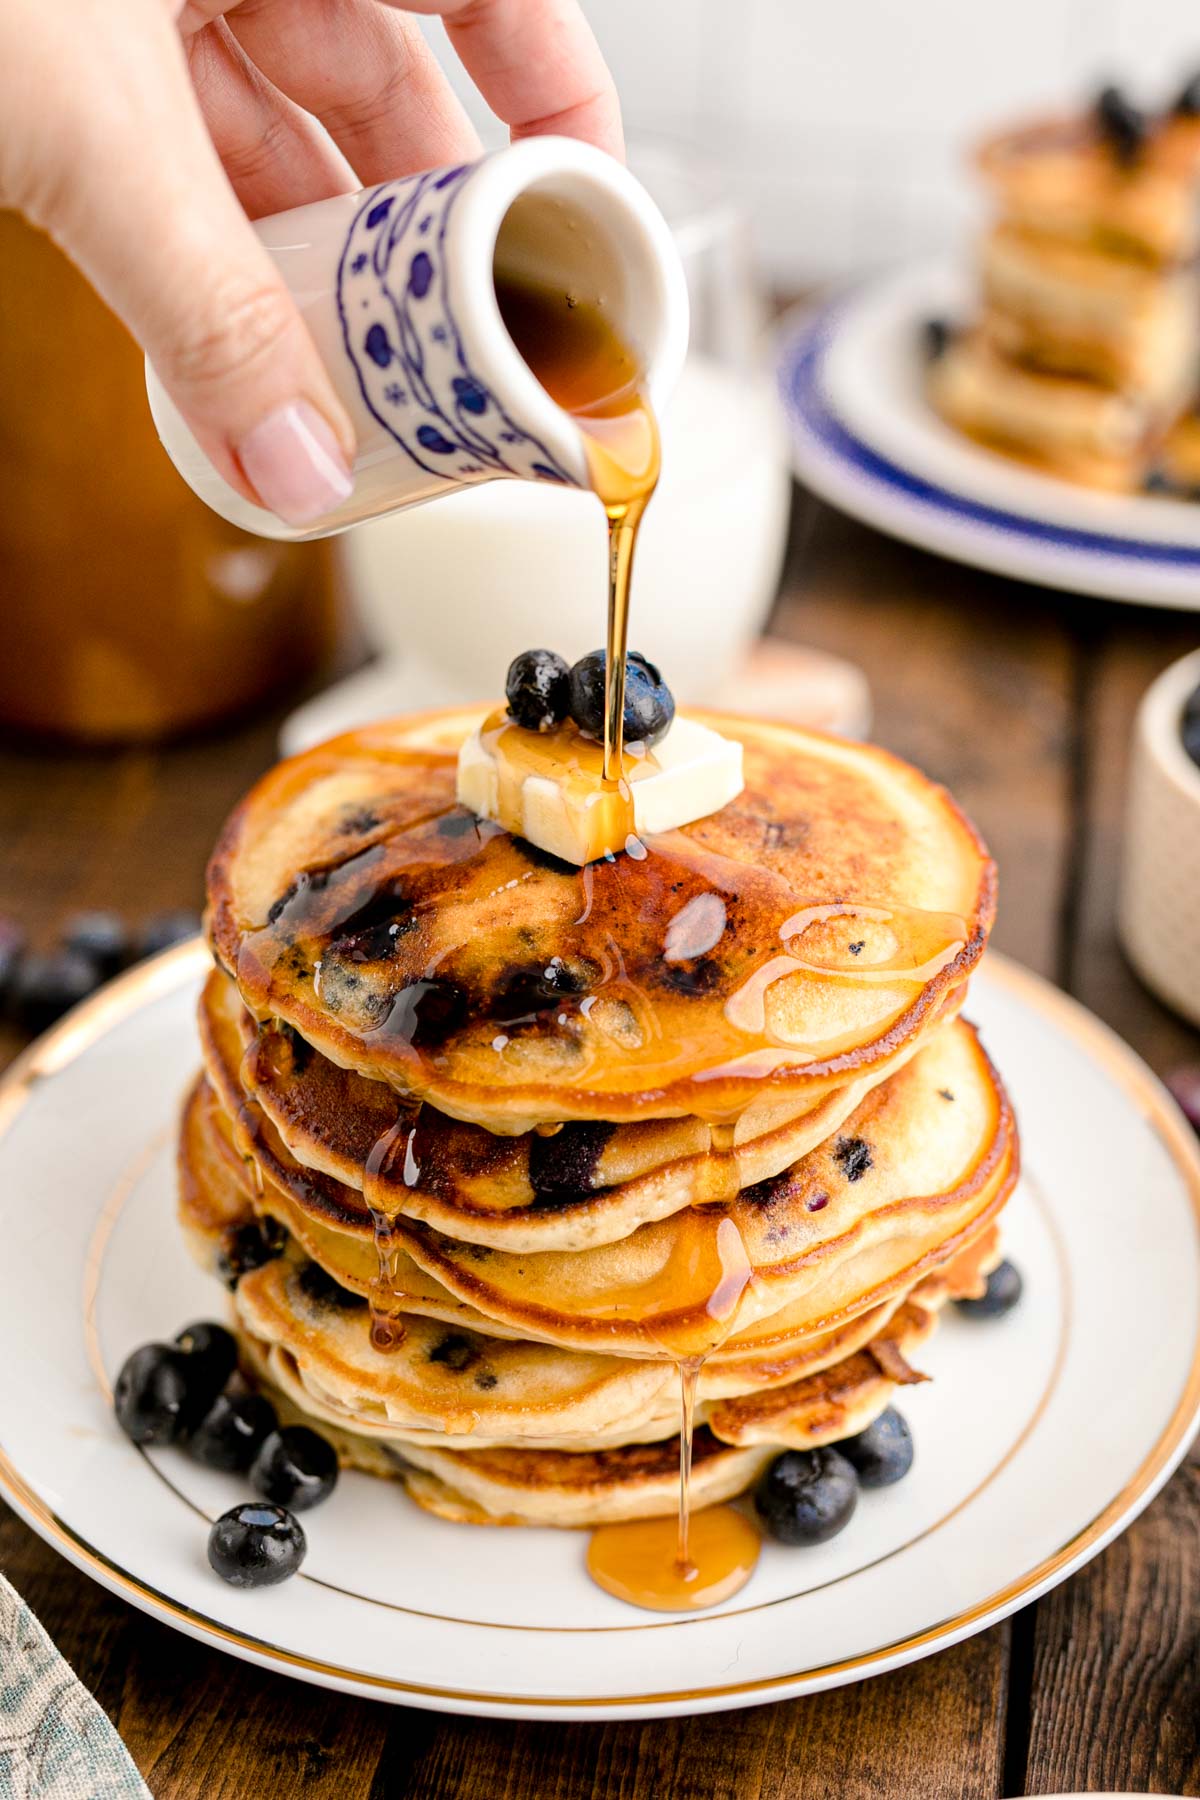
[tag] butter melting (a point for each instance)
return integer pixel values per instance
(601, 811)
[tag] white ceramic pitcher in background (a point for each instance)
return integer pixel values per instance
(397, 286)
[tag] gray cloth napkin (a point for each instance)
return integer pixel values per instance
(55, 1742)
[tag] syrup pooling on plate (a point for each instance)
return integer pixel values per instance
(637, 1561)
(685, 1563)
(695, 1559)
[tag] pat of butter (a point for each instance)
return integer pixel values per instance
(549, 787)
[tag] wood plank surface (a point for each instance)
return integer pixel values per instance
(1021, 700)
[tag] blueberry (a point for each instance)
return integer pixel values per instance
(1001, 1294)
(1121, 123)
(43, 988)
(155, 1398)
(101, 937)
(249, 1247)
(254, 1545)
(883, 1453)
(295, 1467)
(214, 1351)
(936, 337)
(12, 947)
(232, 1431)
(1189, 726)
(1184, 1084)
(1187, 102)
(538, 689)
(533, 988)
(427, 1011)
(807, 1496)
(162, 930)
(649, 703)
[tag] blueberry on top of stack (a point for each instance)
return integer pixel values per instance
(1082, 355)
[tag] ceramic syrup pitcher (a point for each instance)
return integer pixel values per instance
(398, 288)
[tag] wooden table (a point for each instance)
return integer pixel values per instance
(1022, 701)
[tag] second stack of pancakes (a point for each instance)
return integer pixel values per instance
(487, 1145)
(1083, 355)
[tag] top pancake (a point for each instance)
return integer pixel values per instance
(781, 946)
(1059, 176)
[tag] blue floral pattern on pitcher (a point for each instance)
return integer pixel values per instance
(398, 326)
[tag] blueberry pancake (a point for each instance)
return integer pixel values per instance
(488, 1145)
(1073, 310)
(768, 953)
(221, 1206)
(1069, 178)
(543, 1485)
(909, 1177)
(584, 1184)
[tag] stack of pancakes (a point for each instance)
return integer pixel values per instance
(488, 1145)
(1084, 356)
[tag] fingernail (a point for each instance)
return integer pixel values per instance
(295, 464)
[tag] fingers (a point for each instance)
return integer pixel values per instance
(367, 74)
(275, 155)
(537, 65)
(140, 202)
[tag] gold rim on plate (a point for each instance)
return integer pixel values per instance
(163, 974)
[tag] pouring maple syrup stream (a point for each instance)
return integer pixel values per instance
(568, 342)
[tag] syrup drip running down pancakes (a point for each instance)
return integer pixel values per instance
(520, 1140)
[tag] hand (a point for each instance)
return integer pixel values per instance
(144, 134)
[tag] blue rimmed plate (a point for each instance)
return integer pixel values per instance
(865, 438)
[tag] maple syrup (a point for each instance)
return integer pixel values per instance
(638, 1561)
(568, 342)
(693, 1560)
(397, 1144)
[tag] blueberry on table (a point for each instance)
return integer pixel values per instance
(100, 936)
(1189, 726)
(1184, 1086)
(296, 1467)
(1001, 1294)
(936, 336)
(649, 703)
(12, 946)
(883, 1453)
(232, 1432)
(213, 1350)
(163, 930)
(255, 1545)
(807, 1496)
(43, 988)
(155, 1397)
(538, 689)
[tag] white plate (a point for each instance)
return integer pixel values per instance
(851, 376)
(1038, 1440)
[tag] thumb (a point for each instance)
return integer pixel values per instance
(145, 209)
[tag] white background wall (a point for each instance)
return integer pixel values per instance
(841, 124)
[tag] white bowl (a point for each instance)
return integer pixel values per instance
(1160, 879)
